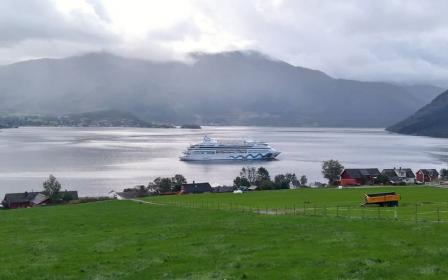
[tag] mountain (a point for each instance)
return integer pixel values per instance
(108, 118)
(431, 120)
(237, 88)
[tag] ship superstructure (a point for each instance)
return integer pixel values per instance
(212, 149)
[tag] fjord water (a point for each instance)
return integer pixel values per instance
(95, 161)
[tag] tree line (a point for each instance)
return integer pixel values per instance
(260, 177)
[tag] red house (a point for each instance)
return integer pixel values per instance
(427, 175)
(358, 177)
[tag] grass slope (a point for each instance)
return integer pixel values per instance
(129, 240)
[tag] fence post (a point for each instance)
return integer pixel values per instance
(304, 208)
(294, 209)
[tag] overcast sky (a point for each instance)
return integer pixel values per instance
(390, 40)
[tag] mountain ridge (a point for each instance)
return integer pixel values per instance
(233, 88)
(431, 120)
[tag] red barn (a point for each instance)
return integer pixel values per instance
(357, 177)
(427, 175)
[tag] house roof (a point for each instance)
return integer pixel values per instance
(39, 199)
(430, 172)
(395, 172)
(358, 173)
(409, 173)
(20, 197)
(35, 197)
(196, 188)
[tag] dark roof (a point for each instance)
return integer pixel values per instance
(430, 172)
(392, 172)
(409, 173)
(358, 173)
(20, 197)
(389, 172)
(196, 188)
(29, 196)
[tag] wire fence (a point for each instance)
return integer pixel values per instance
(418, 212)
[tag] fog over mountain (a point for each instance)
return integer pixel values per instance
(237, 88)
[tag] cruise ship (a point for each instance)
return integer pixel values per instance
(212, 149)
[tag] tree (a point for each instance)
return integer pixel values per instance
(263, 174)
(249, 173)
(161, 185)
(292, 179)
(281, 182)
(152, 187)
(241, 182)
(178, 180)
(303, 180)
(52, 188)
(332, 169)
(266, 185)
(165, 185)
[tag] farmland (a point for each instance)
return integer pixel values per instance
(419, 202)
(227, 236)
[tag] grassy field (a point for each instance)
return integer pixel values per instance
(419, 202)
(173, 240)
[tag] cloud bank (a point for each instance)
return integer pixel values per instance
(389, 40)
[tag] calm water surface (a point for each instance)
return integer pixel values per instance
(97, 160)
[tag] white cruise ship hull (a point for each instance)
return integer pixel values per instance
(235, 157)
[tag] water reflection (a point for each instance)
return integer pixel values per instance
(96, 160)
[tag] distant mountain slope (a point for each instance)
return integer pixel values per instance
(431, 120)
(108, 118)
(238, 88)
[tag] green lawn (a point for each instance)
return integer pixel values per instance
(130, 240)
(421, 202)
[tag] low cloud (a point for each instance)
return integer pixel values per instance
(400, 41)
